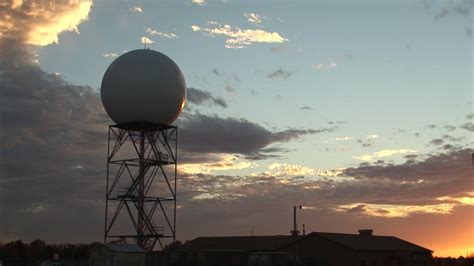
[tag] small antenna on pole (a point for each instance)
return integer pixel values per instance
(144, 43)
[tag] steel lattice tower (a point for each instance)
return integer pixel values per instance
(141, 184)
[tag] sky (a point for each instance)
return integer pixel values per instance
(361, 111)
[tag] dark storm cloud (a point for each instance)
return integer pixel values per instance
(199, 97)
(204, 133)
(280, 74)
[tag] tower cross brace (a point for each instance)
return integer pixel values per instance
(141, 184)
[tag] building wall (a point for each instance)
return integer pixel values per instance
(398, 258)
(129, 259)
(317, 251)
(103, 256)
(207, 258)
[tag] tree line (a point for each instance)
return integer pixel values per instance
(38, 251)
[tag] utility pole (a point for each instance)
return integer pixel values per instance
(295, 231)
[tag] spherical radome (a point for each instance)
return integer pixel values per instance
(143, 86)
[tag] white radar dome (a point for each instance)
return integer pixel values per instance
(143, 86)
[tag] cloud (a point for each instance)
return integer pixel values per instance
(381, 154)
(436, 142)
(223, 163)
(198, 97)
(109, 55)
(446, 205)
(41, 22)
(234, 136)
(365, 143)
(230, 89)
(288, 170)
(423, 183)
(136, 9)
(295, 171)
(336, 122)
(395, 211)
(318, 66)
(443, 169)
(449, 127)
(306, 108)
(343, 138)
(49, 127)
(372, 136)
(466, 199)
(145, 40)
(253, 17)
(199, 2)
(468, 126)
(280, 74)
(167, 35)
(458, 7)
(433, 194)
(216, 72)
(240, 38)
(468, 31)
(277, 48)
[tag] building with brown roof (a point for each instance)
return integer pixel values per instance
(314, 249)
(363, 249)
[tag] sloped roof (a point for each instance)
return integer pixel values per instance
(238, 243)
(271, 243)
(125, 248)
(371, 242)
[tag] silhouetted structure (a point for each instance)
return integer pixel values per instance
(295, 230)
(328, 249)
(143, 92)
(141, 183)
(117, 255)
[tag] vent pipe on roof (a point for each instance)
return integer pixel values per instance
(366, 232)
